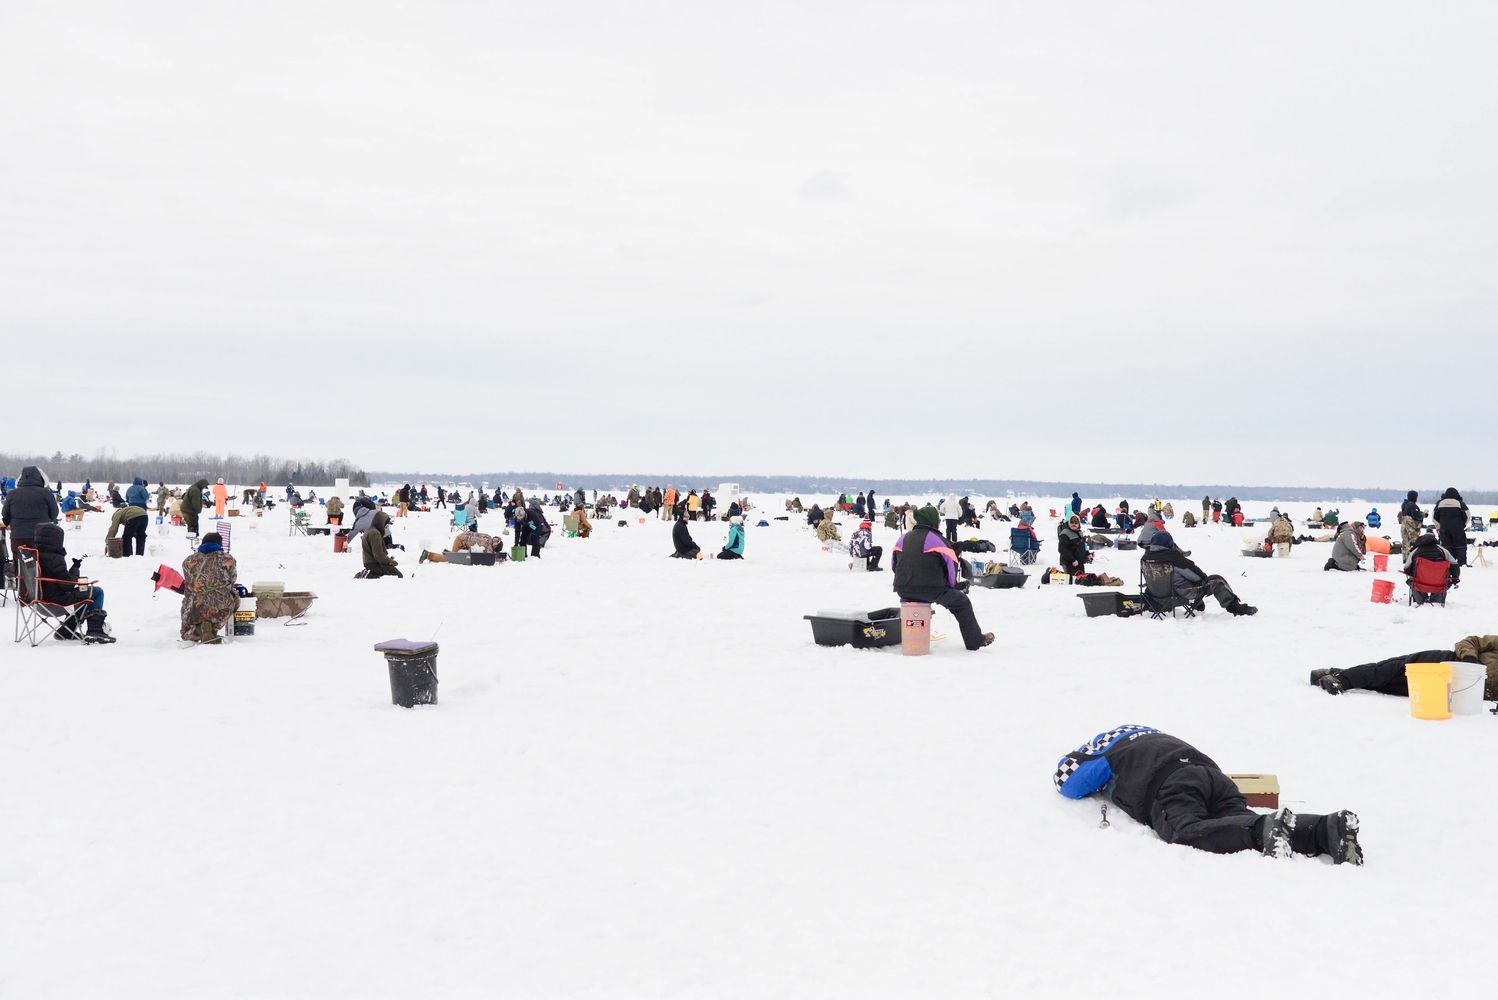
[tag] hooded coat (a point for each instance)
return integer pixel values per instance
(192, 500)
(29, 505)
(372, 543)
(1451, 515)
(137, 495)
(53, 565)
(1411, 509)
(1071, 549)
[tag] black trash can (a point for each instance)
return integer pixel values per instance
(413, 671)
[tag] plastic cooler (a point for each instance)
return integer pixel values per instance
(1112, 602)
(859, 629)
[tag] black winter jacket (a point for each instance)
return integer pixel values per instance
(1411, 509)
(921, 575)
(52, 561)
(28, 505)
(1451, 514)
(1141, 765)
(681, 539)
(1071, 549)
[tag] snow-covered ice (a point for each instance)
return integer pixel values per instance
(645, 780)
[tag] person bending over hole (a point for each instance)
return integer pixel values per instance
(377, 560)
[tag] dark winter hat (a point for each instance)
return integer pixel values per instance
(213, 537)
(927, 517)
(1162, 540)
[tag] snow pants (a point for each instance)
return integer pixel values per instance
(961, 607)
(1200, 807)
(1387, 676)
(1214, 585)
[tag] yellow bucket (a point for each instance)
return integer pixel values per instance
(1430, 689)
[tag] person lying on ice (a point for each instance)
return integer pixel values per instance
(1387, 676)
(464, 541)
(926, 572)
(1179, 792)
(1188, 580)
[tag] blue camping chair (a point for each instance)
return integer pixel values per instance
(1026, 547)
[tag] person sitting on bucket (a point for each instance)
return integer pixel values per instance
(1189, 581)
(1388, 676)
(926, 571)
(209, 599)
(734, 547)
(1179, 792)
(861, 546)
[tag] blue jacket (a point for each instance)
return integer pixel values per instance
(735, 543)
(1374, 519)
(71, 502)
(137, 495)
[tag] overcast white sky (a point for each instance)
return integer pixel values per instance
(1122, 241)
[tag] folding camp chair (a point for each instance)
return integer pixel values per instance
(1024, 545)
(33, 614)
(301, 523)
(1429, 581)
(1157, 587)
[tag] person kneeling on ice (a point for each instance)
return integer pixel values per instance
(734, 547)
(377, 561)
(209, 599)
(1188, 580)
(681, 541)
(59, 579)
(861, 546)
(1388, 677)
(926, 572)
(1179, 792)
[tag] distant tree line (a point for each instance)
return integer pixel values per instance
(237, 470)
(819, 485)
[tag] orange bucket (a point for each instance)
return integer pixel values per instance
(340, 543)
(1382, 591)
(1380, 564)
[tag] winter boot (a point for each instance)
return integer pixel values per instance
(1337, 836)
(1328, 680)
(70, 630)
(98, 632)
(1275, 834)
(1239, 608)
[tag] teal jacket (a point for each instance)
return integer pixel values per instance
(735, 539)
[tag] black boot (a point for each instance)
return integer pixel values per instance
(96, 632)
(1328, 679)
(1275, 833)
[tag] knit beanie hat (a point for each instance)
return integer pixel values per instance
(927, 517)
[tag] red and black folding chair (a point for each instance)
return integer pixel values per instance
(1429, 580)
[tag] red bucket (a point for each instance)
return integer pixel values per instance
(1382, 591)
(340, 543)
(1380, 564)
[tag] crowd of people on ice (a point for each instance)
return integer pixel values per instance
(1155, 778)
